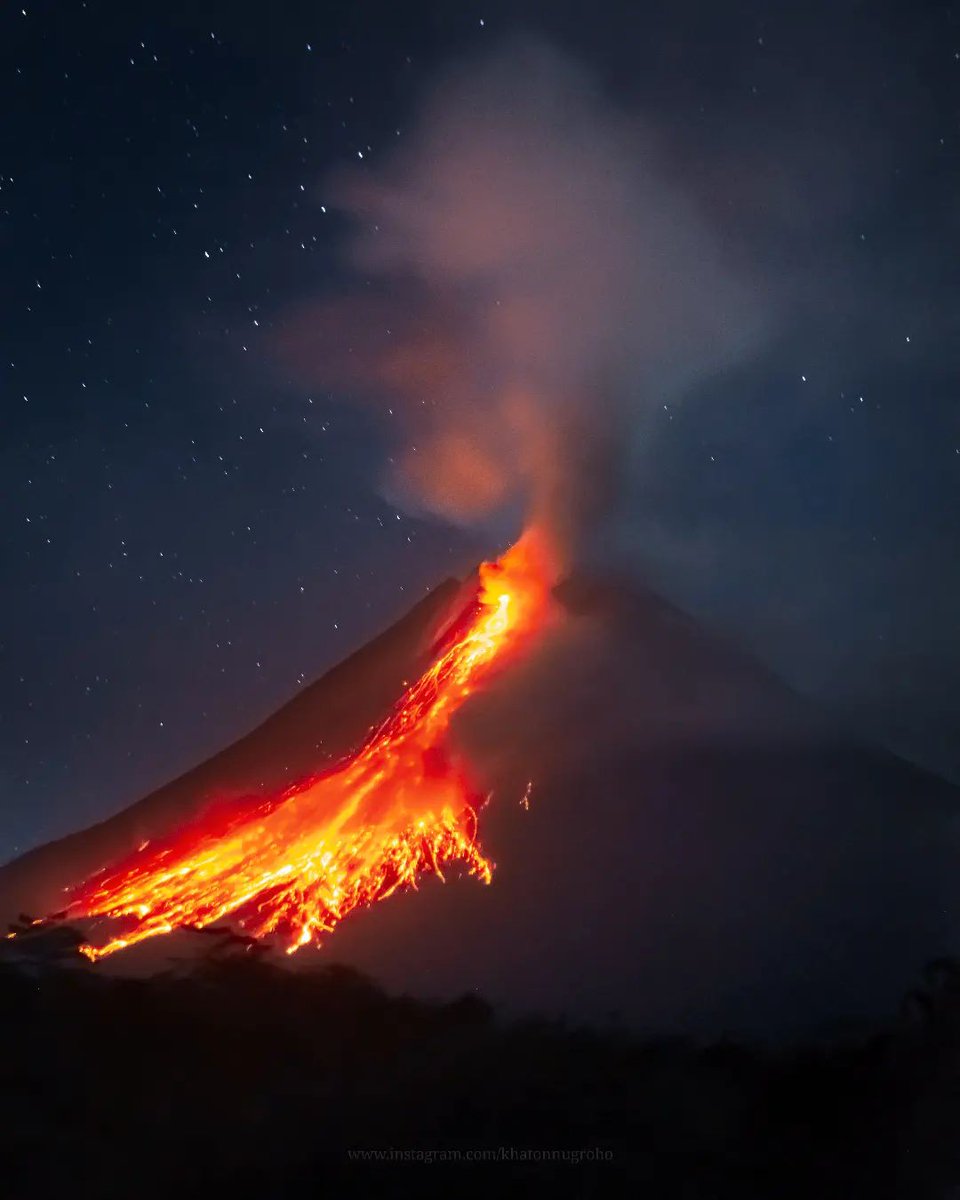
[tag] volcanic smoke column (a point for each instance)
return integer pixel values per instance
(297, 863)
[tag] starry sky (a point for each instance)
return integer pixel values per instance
(192, 530)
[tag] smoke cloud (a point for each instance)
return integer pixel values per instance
(536, 285)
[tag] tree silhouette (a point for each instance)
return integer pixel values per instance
(232, 1074)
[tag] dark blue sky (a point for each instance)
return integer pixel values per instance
(190, 533)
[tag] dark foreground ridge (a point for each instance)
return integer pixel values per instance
(238, 1077)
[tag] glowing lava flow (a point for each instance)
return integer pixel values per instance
(296, 864)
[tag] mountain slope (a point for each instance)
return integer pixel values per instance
(701, 850)
(322, 722)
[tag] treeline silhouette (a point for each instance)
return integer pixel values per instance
(233, 1075)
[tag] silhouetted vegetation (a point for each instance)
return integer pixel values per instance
(231, 1075)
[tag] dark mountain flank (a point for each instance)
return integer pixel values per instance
(701, 848)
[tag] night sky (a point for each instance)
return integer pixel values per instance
(192, 530)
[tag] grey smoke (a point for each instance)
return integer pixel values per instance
(538, 287)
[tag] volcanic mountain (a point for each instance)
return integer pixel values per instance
(679, 838)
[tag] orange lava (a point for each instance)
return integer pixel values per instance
(296, 864)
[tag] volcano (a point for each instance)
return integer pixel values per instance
(681, 841)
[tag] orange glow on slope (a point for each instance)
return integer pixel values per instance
(296, 864)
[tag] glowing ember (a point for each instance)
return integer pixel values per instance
(296, 864)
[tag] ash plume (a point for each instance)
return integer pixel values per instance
(536, 285)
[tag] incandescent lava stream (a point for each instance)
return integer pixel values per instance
(294, 865)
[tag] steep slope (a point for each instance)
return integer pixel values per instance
(701, 848)
(323, 722)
